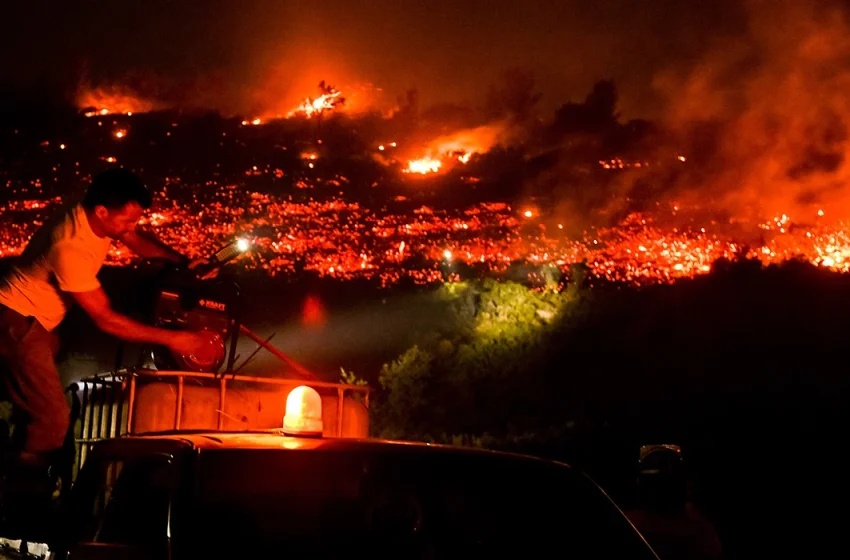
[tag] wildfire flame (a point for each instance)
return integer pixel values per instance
(101, 101)
(423, 166)
(459, 146)
(329, 100)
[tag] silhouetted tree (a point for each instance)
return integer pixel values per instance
(595, 114)
(408, 105)
(328, 89)
(601, 104)
(514, 98)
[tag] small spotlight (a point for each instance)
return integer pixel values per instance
(447, 255)
(243, 245)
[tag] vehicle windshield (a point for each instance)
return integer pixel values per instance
(405, 502)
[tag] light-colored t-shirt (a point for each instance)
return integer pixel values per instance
(64, 255)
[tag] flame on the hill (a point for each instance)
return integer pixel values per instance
(103, 101)
(458, 147)
(423, 166)
(316, 106)
(331, 99)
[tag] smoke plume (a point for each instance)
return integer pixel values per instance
(764, 117)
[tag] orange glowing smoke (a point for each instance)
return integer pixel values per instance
(457, 147)
(102, 101)
(780, 143)
(469, 141)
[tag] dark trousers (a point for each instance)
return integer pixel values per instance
(27, 354)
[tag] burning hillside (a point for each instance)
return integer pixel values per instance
(458, 147)
(330, 235)
(111, 101)
(345, 240)
(758, 170)
(329, 100)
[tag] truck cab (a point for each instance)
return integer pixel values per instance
(216, 494)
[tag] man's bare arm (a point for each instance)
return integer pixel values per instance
(96, 304)
(147, 246)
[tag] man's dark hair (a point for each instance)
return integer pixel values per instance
(114, 188)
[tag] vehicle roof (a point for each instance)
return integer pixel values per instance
(275, 439)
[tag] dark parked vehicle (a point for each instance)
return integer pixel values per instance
(225, 495)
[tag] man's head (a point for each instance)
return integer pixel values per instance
(115, 201)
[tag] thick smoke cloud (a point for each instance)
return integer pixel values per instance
(766, 115)
(760, 116)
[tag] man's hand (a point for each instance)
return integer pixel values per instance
(188, 343)
(185, 343)
(203, 261)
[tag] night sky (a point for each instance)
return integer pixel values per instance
(249, 54)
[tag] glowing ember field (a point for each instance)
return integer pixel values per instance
(343, 240)
(393, 239)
